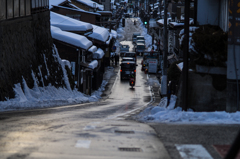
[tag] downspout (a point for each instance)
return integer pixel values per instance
(195, 11)
(79, 70)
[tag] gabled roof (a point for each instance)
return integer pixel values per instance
(99, 33)
(70, 38)
(78, 9)
(56, 2)
(68, 24)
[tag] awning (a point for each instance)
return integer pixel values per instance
(98, 54)
(70, 38)
(92, 49)
(93, 64)
(68, 24)
(110, 37)
(90, 65)
(99, 33)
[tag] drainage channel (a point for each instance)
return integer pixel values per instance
(130, 149)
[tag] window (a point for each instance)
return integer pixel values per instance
(2, 9)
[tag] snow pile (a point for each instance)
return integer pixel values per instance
(50, 96)
(168, 114)
(153, 82)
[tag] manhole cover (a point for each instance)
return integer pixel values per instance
(124, 132)
(130, 149)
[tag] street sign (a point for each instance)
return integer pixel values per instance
(114, 48)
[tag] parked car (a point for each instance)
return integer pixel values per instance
(134, 37)
(126, 68)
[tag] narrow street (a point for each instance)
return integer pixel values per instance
(93, 130)
(100, 129)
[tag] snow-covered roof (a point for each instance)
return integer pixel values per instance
(98, 54)
(93, 64)
(161, 21)
(99, 33)
(78, 9)
(107, 42)
(93, 49)
(68, 24)
(55, 3)
(114, 33)
(91, 4)
(109, 12)
(70, 38)
(66, 63)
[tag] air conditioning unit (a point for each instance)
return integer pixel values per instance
(180, 12)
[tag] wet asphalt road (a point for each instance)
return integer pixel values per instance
(91, 130)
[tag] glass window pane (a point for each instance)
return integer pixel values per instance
(9, 9)
(28, 7)
(2, 9)
(42, 3)
(33, 4)
(16, 8)
(37, 3)
(22, 7)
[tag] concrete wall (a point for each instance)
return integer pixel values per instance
(205, 92)
(208, 12)
(25, 44)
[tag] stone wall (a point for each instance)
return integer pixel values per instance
(26, 46)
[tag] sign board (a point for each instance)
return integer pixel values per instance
(234, 22)
(152, 65)
(114, 48)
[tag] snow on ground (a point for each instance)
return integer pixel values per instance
(49, 96)
(168, 114)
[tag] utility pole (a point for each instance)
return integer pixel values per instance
(185, 57)
(165, 52)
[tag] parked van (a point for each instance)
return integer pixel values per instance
(134, 36)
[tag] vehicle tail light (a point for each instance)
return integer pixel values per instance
(134, 70)
(120, 70)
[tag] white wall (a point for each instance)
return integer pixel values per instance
(208, 12)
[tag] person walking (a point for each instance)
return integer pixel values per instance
(116, 59)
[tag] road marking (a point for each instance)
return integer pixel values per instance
(83, 144)
(188, 151)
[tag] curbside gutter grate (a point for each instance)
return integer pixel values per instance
(130, 149)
